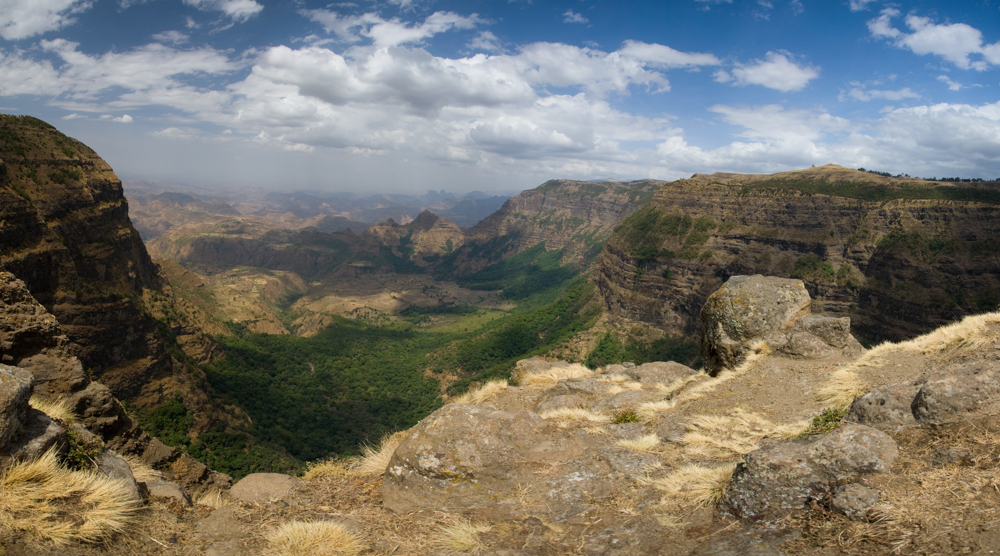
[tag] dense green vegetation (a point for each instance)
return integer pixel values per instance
(867, 191)
(649, 228)
(610, 349)
(525, 274)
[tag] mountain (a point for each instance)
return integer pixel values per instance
(899, 256)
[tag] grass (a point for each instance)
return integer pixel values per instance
(142, 472)
(723, 437)
(694, 486)
(569, 414)
(331, 468)
(50, 502)
(314, 538)
(58, 410)
(840, 390)
(461, 537)
(213, 498)
(482, 394)
(644, 443)
(374, 459)
(828, 420)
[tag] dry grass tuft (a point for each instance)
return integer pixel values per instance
(841, 389)
(332, 468)
(142, 471)
(314, 538)
(50, 502)
(483, 393)
(58, 410)
(575, 414)
(695, 486)
(720, 437)
(644, 443)
(213, 498)
(374, 459)
(462, 537)
(549, 377)
(649, 411)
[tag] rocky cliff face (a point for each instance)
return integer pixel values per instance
(574, 216)
(900, 257)
(422, 241)
(65, 232)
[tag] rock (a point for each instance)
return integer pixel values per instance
(225, 548)
(168, 491)
(885, 408)
(583, 386)
(628, 463)
(261, 488)
(533, 365)
(853, 500)
(947, 455)
(834, 331)
(804, 345)
(622, 401)
(659, 371)
(115, 467)
(789, 474)
(573, 493)
(961, 391)
(752, 542)
(15, 390)
(562, 401)
(745, 309)
(39, 435)
(671, 430)
(220, 525)
(157, 454)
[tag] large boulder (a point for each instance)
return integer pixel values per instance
(885, 408)
(745, 309)
(15, 390)
(261, 488)
(786, 476)
(960, 391)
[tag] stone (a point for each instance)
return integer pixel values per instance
(789, 474)
(885, 408)
(262, 488)
(158, 454)
(751, 542)
(167, 490)
(834, 331)
(114, 466)
(803, 345)
(562, 401)
(659, 371)
(583, 386)
(854, 500)
(961, 391)
(15, 390)
(220, 525)
(744, 309)
(225, 548)
(40, 434)
(533, 365)
(623, 401)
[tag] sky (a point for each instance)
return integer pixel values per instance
(411, 95)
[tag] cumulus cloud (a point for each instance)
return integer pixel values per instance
(20, 19)
(859, 5)
(776, 71)
(172, 37)
(952, 85)
(861, 92)
(486, 41)
(390, 32)
(572, 17)
(957, 43)
(123, 119)
(237, 10)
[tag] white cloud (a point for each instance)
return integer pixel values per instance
(955, 42)
(859, 5)
(391, 32)
(73, 116)
(237, 10)
(172, 37)
(572, 17)
(176, 133)
(20, 19)
(775, 72)
(124, 119)
(486, 41)
(862, 93)
(775, 123)
(952, 85)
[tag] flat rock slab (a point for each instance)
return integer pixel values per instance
(220, 525)
(15, 390)
(261, 488)
(168, 491)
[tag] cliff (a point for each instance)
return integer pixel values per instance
(899, 256)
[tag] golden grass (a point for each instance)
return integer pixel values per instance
(53, 503)
(142, 472)
(549, 377)
(374, 459)
(483, 393)
(695, 486)
(644, 443)
(722, 437)
(213, 498)
(332, 468)
(461, 537)
(314, 538)
(575, 414)
(58, 410)
(841, 389)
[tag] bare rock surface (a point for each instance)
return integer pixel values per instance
(169, 491)
(261, 488)
(885, 408)
(854, 500)
(15, 389)
(791, 473)
(959, 392)
(38, 435)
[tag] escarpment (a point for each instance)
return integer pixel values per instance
(899, 257)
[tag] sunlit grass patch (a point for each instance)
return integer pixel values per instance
(644, 443)
(572, 414)
(723, 437)
(695, 486)
(549, 377)
(483, 393)
(461, 537)
(314, 538)
(58, 410)
(374, 459)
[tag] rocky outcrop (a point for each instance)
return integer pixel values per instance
(15, 389)
(420, 242)
(900, 257)
(751, 310)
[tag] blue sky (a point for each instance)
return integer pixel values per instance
(410, 95)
